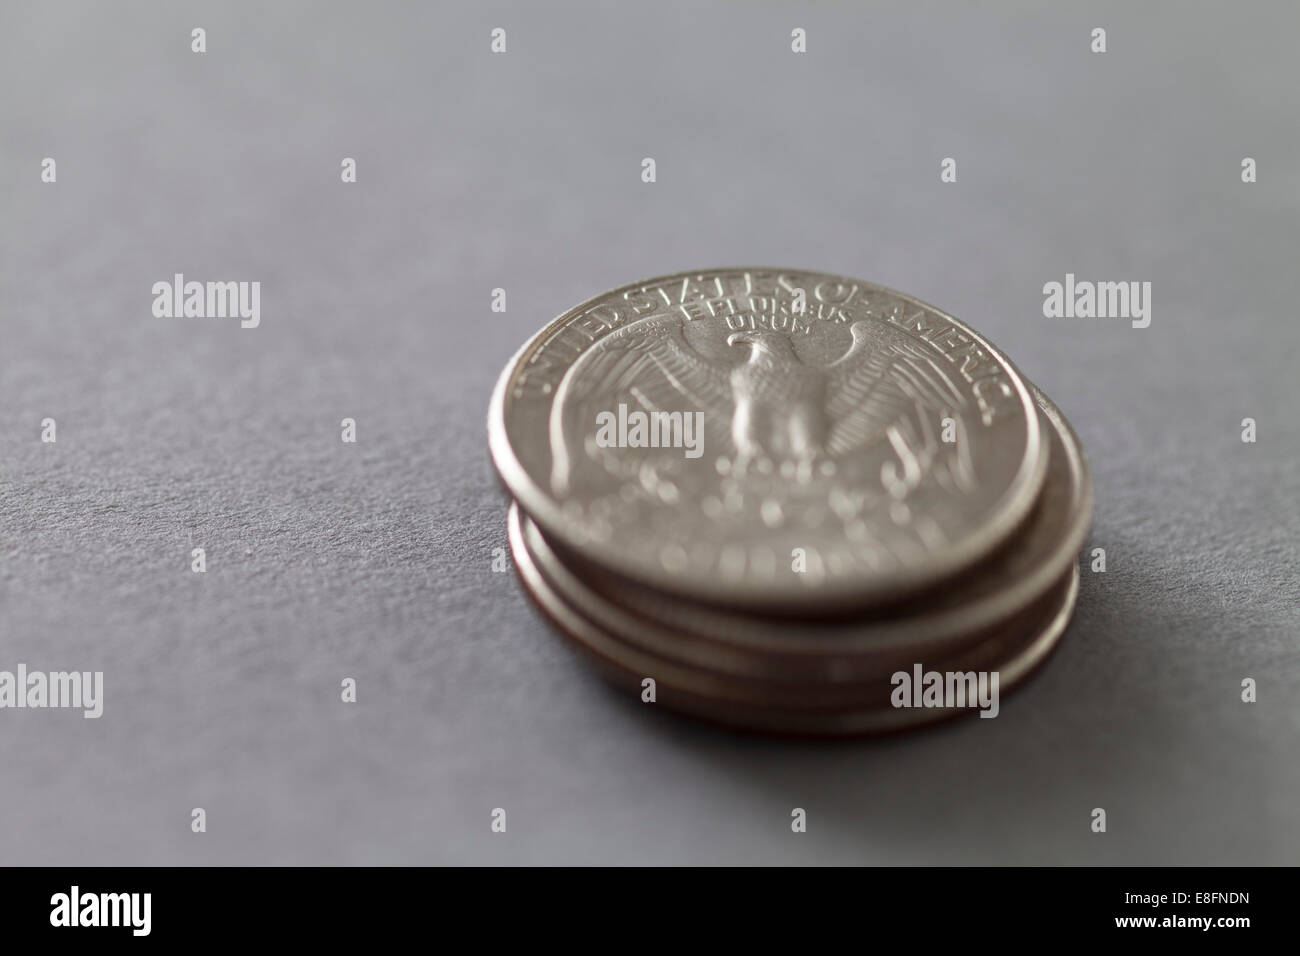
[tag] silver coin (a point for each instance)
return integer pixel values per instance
(957, 612)
(768, 438)
(769, 682)
(1014, 654)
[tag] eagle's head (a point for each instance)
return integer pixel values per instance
(765, 346)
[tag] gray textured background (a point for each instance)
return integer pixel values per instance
(372, 560)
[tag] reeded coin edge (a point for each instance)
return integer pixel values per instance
(841, 679)
(604, 650)
(843, 593)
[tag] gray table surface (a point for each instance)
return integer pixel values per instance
(522, 171)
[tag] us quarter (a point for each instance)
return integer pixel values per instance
(768, 438)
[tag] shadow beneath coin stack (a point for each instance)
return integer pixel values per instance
(1097, 726)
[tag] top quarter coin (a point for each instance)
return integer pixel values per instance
(766, 438)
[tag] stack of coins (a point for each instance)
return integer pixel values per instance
(790, 502)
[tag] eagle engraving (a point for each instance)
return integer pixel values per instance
(769, 407)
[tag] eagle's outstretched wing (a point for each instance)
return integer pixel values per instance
(648, 364)
(887, 381)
